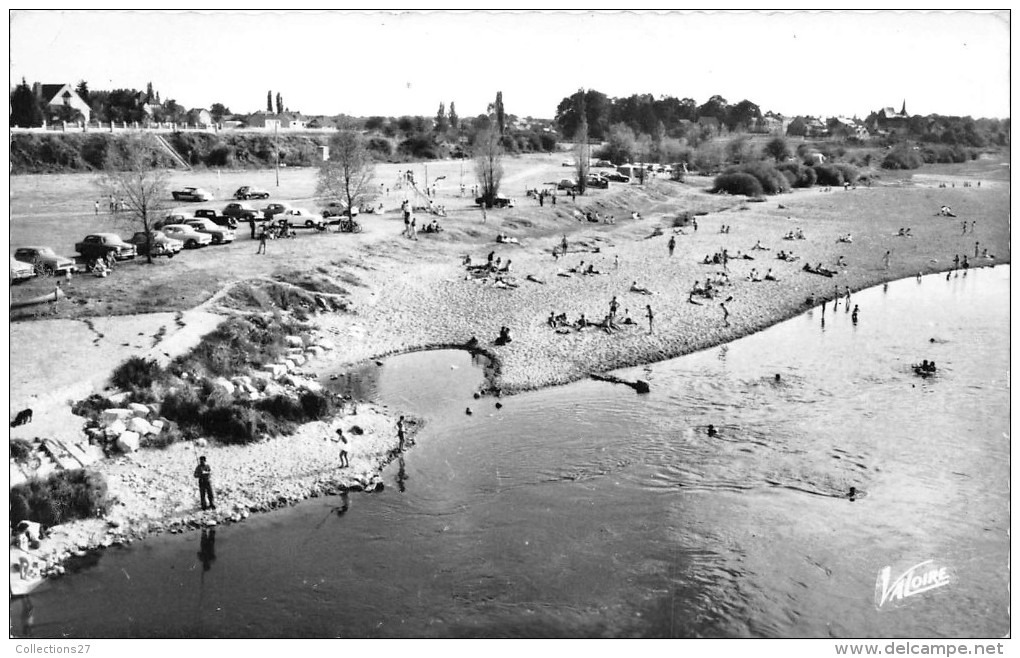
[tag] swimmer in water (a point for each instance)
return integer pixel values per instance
(711, 430)
(853, 493)
(778, 378)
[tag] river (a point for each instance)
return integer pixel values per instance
(587, 510)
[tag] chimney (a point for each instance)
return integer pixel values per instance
(37, 90)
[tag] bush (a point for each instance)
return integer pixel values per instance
(799, 175)
(63, 496)
(381, 146)
(902, 157)
(828, 174)
(772, 182)
(137, 374)
(848, 172)
(418, 146)
(737, 183)
(91, 407)
(21, 449)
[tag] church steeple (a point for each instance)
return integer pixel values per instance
(903, 110)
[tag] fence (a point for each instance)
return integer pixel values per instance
(120, 127)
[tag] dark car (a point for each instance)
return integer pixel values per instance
(209, 213)
(498, 201)
(99, 245)
(246, 192)
(598, 182)
(240, 211)
(191, 194)
(616, 177)
(274, 209)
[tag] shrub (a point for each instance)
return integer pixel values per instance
(137, 373)
(63, 496)
(737, 183)
(799, 175)
(21, 449)
(316, 405)
(380, 145)
(848, 172)
(828, 174)
(91, 407)
(282, 407)
(182, 405)
(902, 158)
(772, 182)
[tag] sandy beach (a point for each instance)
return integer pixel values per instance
(406, 295)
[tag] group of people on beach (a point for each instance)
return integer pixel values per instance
(795, 235)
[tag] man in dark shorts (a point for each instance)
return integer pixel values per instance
(205, 493)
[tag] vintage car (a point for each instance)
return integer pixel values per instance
(191, 194)
(300, 217)
(21, 271)
(246, 192)
(616, 177)
(219, 234)
(497, 201)
(45, 261)
(191, 238)
(100, 245)
(597, 182)
(275, 209)
(241, 211)
(160, 243)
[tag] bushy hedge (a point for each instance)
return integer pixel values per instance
(737, 183)
(772, 181)
(902, 157)
(798, 174)
(63, 496)
(848, 171)
(137, 373)
(828, 174)
(941, 153)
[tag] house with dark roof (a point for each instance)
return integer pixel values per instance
(887, 120)
(199, 116)
(272, 120)
(54, 98)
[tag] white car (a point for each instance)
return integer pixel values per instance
(301, 217)
(191, 238)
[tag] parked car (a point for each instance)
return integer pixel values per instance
(99, 245)
(567, 163)
(191, 194)
(275, 209)
(604, 163)
(21, 271)
(301, 217)
(161, 244)
(498, 201)
(339, 209)
(566, 184)
(219, 234)
(213, 216)
(250, 192)
(45, 261)
(191, 238)
(241, 211)
(598, 182)
(616, 177)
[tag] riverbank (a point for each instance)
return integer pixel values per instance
(404, 295)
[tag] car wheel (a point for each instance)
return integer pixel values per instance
(309, 223)
(170, 254)
(190, 244)
(232, 223)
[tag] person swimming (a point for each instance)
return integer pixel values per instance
(778, 378)
(712, 431)
(853, 494)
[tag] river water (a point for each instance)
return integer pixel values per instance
(588, 510)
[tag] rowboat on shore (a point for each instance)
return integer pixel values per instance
(40, 299)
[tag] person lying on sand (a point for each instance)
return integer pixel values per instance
(634, 287)
(534, 279)
(841, 261)
(845, 238)
(744, 256)
(758, 246)
(769, 276)
(577, 270)
(503, 283)
(591, 269)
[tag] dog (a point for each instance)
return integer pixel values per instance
(24, 417)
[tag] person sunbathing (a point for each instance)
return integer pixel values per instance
(634, 287)
(758, 245)
(769, 276)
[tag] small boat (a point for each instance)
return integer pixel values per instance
(40, 299)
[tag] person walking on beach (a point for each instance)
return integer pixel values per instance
(414, 228)
(848, 298)
(964, 227)
(672, 244)
(853, 316)
(726, 313)
(341, 439)
(400, 434)
(616, 262)
(972, 227)
(97, 206)
(205, 493)
(888, 253)
(648, 312)
(613, 305)
(563, 245)
(262, 242)
(956, 261)
(976, 245)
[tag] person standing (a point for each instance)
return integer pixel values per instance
(885, 258)
(414, 228)
(976, 245)
(251, 225)
(613, 306)
(205, 493)
(726, 313)
(672, 244)
(400, 434)
(648, 312)
(97, 206)
(262, 241)
(341, 439)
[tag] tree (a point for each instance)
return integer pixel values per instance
(500, 115)
(777, 148)
(25, 110)
(441, 123)
(744, 115)
(488, 164)
(218, 111)
(716, 106)
(454, 119)
(797, 127)
(269, 101)
(149, 94)
(348, 173)
(131, 173)
(279, 103)
(582, 154)
(622, 144)
(83, 90)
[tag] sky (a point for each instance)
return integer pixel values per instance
(395, 63)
